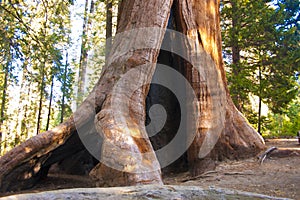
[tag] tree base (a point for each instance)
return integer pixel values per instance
(113, 178)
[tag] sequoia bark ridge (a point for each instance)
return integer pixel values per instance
(115, 109)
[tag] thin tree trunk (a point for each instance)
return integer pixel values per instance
(50, 102)
(20, 106)
(235, 43)
(84, 52)
(236, 58)
(24, 122)
(42, 88)
(109, 15)
(24, 129)
(64, 90)
(259, 101)
(3, 98)
(3, 102)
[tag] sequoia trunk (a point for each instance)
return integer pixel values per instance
(116, 108)
(223, 132)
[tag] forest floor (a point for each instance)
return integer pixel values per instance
(276, 176)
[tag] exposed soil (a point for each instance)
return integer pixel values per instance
(276, 176)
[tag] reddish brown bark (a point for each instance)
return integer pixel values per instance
(127, 144)
(222, 133)
(220, 122)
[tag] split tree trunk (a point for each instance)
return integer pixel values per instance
(223, 132)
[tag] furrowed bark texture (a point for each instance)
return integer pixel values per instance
(27, 163)
(127, 154)
(223, 131)
(115, 109)
(24, 163)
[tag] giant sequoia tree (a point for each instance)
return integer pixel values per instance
(115, 121)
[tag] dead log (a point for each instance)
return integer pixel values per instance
(262, 157)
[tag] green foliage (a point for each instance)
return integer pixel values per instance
(34, 46)
(95, 38)
(261, 51)
(286, 124)
(33, 37)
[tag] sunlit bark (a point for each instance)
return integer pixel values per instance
(223, 132)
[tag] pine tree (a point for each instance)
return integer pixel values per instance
(35, 34)
(257, 36)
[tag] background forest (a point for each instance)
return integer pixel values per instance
(52, 53)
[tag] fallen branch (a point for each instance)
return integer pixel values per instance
(204, 175)
(237, 173)
(265, 154)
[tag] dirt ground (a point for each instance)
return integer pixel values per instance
(275, 176)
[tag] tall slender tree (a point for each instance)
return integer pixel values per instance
(66, 78)
(50, 103)
(41, 98)
(84, 50)
(34, 32)
(64, 88)
(3, 101)
(254, 33)
(109, 26)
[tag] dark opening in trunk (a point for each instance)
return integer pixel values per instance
(162, 106)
